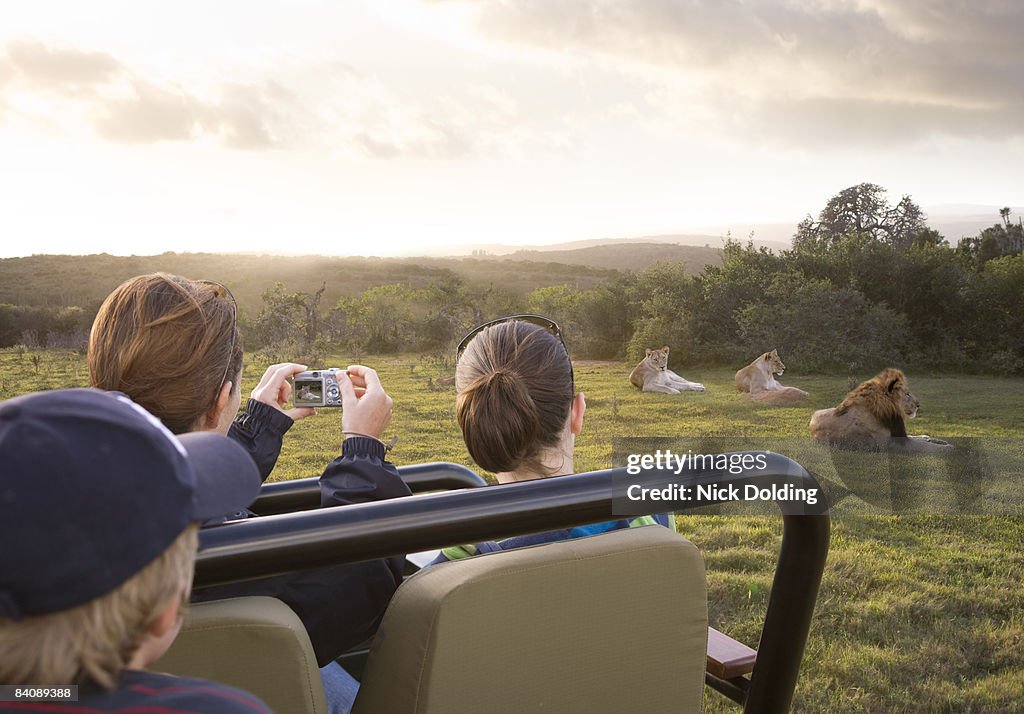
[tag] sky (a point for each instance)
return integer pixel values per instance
(401, 127)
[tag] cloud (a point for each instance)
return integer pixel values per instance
(151, 114)
(479, 119)
(326, 103)
(124, 106)
(858, 122)
(933, 66)
(422, 138)
(59, 69)
(242, 118)
(248, 117)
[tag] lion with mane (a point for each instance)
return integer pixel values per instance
(873, 414)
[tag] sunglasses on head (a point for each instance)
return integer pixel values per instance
(545, 322)
(220, 290)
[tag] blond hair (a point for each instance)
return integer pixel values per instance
(94, 641)
(167, 342)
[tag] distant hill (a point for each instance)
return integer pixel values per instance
(626, 256)
(65, 280)
(85, 280)
(502, 250)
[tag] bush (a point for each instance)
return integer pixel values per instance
(996, 330)
(1005, 362)
(663, 301)
(821, 327)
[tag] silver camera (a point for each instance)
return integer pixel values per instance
(317, 388)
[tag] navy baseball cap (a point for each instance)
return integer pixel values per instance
(93, 488)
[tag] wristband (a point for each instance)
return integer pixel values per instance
(388, 445)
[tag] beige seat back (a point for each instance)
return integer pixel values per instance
(254, 643)
(610, 623)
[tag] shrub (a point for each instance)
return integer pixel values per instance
(820, 326)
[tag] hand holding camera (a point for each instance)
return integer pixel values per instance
(366, 406)
(275, 389)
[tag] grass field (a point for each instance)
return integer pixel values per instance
(915, 614)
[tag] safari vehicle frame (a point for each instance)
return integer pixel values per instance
(296, 535)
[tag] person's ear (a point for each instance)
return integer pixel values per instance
(161, 632)
(576, 411)
(168, 619)
(216, 411)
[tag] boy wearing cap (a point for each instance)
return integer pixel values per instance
(93, 579)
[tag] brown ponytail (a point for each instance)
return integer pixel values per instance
(515, 390)
(167, 342)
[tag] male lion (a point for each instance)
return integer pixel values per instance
(872, 414)
(758, 378)
(653, 375)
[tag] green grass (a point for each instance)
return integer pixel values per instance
(915, 613)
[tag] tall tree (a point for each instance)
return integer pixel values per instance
(290, 317)
(996, 241)
(864, 210)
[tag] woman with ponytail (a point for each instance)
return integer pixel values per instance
(520, 413)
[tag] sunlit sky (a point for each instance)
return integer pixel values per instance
(385, 127)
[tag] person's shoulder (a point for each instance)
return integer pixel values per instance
(180, 694)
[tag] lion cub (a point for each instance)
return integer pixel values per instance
(758, 378)
(653, 375)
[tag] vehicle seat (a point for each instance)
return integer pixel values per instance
(254, 643)
(610, 623)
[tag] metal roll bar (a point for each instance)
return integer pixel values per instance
(303, 494)
(281, 543)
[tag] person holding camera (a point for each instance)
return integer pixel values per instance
(173, 346)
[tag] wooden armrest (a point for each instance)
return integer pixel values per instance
(728, 658)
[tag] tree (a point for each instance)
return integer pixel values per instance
(662, 300)
(384, 318)
(821, 326)
(720, 291)
(996, 241)
(595, 322)
(448, 310)
(604, 319)
(451, 307)
(290, 318)
(863, 209)
(559, 302)
(996, 327)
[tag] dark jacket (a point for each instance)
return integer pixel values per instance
(341, 605)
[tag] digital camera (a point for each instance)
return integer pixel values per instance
(317, 388)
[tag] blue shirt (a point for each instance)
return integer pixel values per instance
(465, 551)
